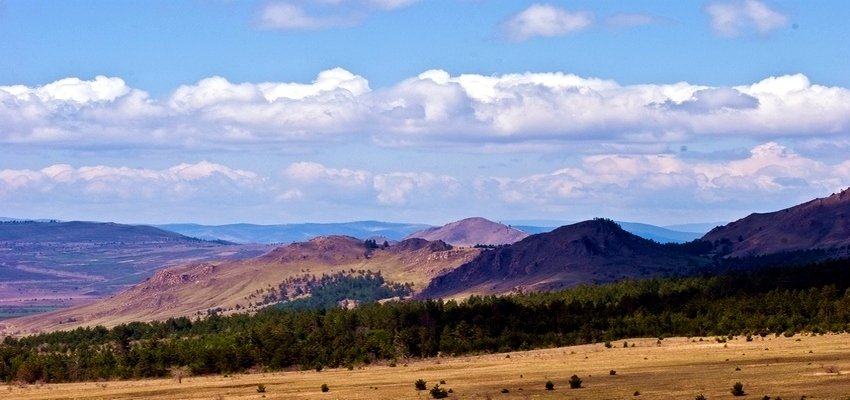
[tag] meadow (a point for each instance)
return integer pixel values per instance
(814, 366)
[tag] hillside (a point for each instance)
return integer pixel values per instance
(48, 265)
(594, 251)
(288, 233)
(195, 288)
(822, 223)
(472, 231)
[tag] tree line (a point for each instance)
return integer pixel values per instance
(812, 297)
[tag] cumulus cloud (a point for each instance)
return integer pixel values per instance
(428, 110)
(735, 18)
(545, 20)
(767, 175)
(108, 183)
(311, 172)
(322, 14)
(397, 188)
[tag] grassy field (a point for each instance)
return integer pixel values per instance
(817, 367)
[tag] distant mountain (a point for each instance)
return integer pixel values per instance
(77, 231)
(818, 224)
(594, 251)
(659, 234)
(699, 227)
(45, 265)
(288, 233)
(195, 288)
(472, 231)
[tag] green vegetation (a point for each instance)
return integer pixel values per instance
(439, 393)
(309, 292)
(420, 384)
(809, 298)
(575, 382)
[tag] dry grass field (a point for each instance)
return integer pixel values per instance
(817, 367)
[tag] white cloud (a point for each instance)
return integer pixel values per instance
(545, 20)
(322, 14)
(767, 176)
(397, 188)
(430, 110)
(105, 182)
(311, 172)
(735, 18)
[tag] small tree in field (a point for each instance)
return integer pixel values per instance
(439, 393)
(550, 385)
(738, 389)
(575, 382)
(420, 384)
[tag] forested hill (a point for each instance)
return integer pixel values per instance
(595, 251)
(761, 302)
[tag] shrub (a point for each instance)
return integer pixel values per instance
(442, 381)
(625, 344)
(505, 390)
(439, 393)
(637, 393)
(608, 345)
(612, 372)
(738, 389)
(765, 397)
(550, 385)
(261, 388)
(420, 384)
(325, 388)
(575, 382)
(700, 397)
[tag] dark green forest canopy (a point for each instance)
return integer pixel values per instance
(763, 301)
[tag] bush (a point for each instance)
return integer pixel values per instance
(505, 390)
(608, 345)
(420, 384)
(637, 393)
(325, 388)
(439, 393)
(550, 385)
(261, 388)
(575, 382)
(700, 397)
(612, 372)
(738, 389)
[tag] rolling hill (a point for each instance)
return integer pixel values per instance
(593, 251)
(193, 289)
(471, 232)
(822, 223)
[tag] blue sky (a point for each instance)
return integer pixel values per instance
(426, 111)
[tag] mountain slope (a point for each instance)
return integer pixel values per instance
(587, 252)
(822, 223)
(193, 289)
(287, 233)
(47, 265)
(472, 231)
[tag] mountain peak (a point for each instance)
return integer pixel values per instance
(472, 231)
(822, 223)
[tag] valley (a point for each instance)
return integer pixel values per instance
(814, 366)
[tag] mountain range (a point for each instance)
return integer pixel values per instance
(588, 252)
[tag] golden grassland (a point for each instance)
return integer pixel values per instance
(817, 367)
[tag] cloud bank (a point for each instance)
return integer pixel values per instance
(431, 108)
(771, 176)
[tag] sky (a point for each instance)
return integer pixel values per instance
(286, 111)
